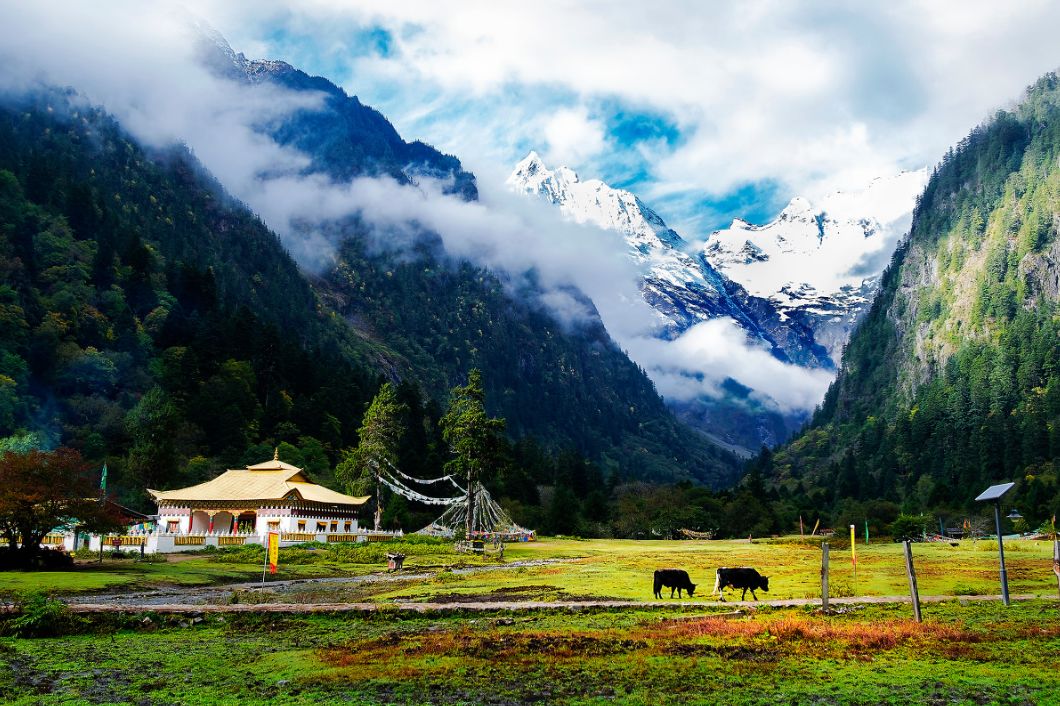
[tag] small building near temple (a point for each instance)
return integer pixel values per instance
(242, 506)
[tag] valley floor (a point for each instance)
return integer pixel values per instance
(976, 653)
(694, 651)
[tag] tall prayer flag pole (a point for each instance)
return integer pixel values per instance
(854, 557)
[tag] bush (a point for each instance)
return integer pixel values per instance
(83, 552)
(40, 616)
(840, 589)
(907, 527)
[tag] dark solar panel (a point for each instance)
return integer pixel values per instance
(995, 491)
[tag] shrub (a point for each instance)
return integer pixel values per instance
(907, 527)
(41, 616)
(83, 552)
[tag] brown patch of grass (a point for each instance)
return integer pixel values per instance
(854, 637)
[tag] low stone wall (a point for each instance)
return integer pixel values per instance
(167, 543)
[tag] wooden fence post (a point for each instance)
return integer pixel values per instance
(824, 576)
(911, 572)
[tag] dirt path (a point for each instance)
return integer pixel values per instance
(413, 607)
(222, 593)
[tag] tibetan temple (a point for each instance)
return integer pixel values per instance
(270, 496)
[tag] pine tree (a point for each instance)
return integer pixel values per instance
(475, 439)
(380, 435)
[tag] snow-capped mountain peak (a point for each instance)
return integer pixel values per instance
(815, 264)
(594, 202)
(828, 246)
(820, 262)
(683, 288)
(796, 207)
(685, 291)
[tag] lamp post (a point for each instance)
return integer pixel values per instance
(994, 493)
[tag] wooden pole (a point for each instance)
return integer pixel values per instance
(854, 557)
(378, 502)
(469, 521)
(266, 564)
(824, 576)
(911, 572)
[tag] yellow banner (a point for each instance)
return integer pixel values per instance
(274, 551)
(853, 551)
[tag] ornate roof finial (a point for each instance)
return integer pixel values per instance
(276, 453)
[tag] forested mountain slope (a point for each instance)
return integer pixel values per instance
(570, 388)
(151, 321)
(952, 381)
(147, 318)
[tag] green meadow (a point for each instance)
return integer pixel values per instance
(965, 652)
(553, 568)
(979, 653)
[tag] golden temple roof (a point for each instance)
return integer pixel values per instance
(271, 480)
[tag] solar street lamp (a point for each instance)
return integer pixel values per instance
(993, 494)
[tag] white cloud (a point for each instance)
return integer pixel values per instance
(806, 96)
(814, 96)
(137, 62)
(572, 136)
(699, 361)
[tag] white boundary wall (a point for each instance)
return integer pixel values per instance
(169, 543)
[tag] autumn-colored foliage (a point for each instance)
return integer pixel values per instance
(41, 491)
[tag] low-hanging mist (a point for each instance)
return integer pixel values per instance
(140, 63)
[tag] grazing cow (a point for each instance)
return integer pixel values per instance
(675, 580)
(747, 579)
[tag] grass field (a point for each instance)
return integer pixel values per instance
(623, 569)
(975, 654)
(964, 653)
(580, 569)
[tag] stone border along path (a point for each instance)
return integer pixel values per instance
(484, 606)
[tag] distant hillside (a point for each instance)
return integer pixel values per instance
(567, 388)
(342, 137)
(952, 381)
(148, 318)
(151, 321)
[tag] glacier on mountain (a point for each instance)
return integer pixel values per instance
(821, 264)
(795, 286)
(681, 286)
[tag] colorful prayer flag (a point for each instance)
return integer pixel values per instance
(274, 551)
